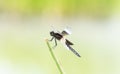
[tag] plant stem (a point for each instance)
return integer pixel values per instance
(54, 58)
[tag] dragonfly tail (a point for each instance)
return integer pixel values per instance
(75, 52)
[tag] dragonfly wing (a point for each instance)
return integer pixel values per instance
(68, 42)
(63, 41)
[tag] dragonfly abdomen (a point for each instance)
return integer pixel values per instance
(75, 52)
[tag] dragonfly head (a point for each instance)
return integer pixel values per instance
(52, 33)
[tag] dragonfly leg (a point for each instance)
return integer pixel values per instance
(51, 39)
(55, 43)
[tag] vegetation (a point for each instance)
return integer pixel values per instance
(64, 7)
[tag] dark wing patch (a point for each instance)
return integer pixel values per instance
(68, 42)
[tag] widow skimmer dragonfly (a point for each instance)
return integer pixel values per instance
(60, 37)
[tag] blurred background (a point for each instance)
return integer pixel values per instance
(25, 24)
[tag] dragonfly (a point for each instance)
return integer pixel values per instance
(60, 36)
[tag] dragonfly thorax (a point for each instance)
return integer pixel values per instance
(58, 36)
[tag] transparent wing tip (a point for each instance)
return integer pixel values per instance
(67, 31)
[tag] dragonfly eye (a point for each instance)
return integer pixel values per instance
(52, 33)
